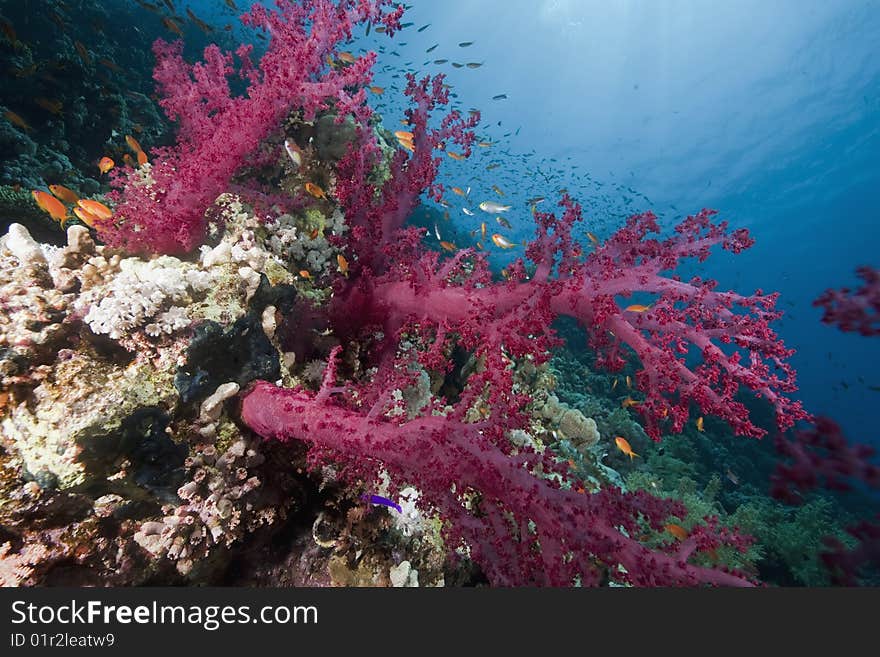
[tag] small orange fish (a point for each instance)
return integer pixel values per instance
(105, 164)
(95, 207)
(110, 64)
(51, 205)
(83, 53)
(16, 120)
(128, 160)
(342, 264)
(52, 106)
(629, 401)
(593, 238)
(614, 385)
(637, 308)
(133, 143)
(458, 190)
(403, 134)
(502, 242)
(63, 193)
(9, 31)
(455, 156)
(347, 57)
(314, 234)
(305, 274)
(202, 25)
(628, 381)
(700, 423)
(314, 190)
(87, 218)
(142, 158)
(378, 90)
(484, 144)
(676, 530)
(448, 246)
(624, 447)
(483, 230)
(172, 26)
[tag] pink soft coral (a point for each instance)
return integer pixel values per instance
(413, 307)
(163, 210)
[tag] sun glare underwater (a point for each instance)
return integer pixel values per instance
(461, 293)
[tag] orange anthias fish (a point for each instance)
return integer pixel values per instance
(133, 143)
(63, 193)
(347, 57)
(455, 156)
(314, 190)
(52, 106)
(593, 238)
(377, 90)
(87, 218)
(142, 158)
(342, 264)
(16, 120)
(676, 530)
(105, 164)
(502, 242)
(51, 205)
(83, 53)
(637, 308)
(172, 26)
(629, 401)
(96, 208)
(406, 139)
(448, 246)
(305, 274)
(624, 447)
(458, 190)
(700, 424)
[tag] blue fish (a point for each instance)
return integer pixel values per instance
(384, 501)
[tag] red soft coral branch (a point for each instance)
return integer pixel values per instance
(821, 457)
(520, 528)
(854, 310)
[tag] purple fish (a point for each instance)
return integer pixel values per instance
(384, 501)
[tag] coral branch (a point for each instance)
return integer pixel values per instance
(522, 529)
(854, 310)
(161, 208)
